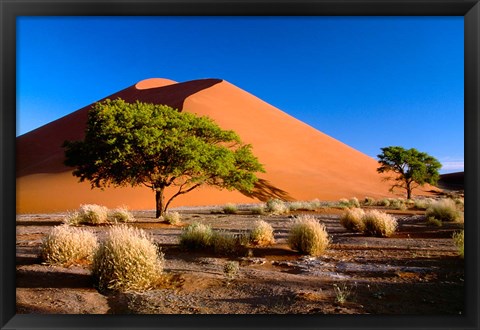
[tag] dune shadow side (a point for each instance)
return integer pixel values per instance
(264, 190)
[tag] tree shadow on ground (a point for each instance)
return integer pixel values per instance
(52, 279)
(264, 191)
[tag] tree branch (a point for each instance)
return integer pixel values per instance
(180, 192)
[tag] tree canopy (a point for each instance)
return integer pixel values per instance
(159, 147)
(412, 167)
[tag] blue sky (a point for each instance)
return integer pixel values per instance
(369, 82)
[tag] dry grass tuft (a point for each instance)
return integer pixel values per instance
(66, 245)
(196, 235)
(258, 209)
(397, 204)
(277, 206)
(383, 202)
(230, 208)
(368, 201)
(422, 203)
(262, 234)
(444, 210)
(231, 269)
(458, 239)
(127, 260)
(352, 219)
(120, 215)
(348, 203)
(379, 224)
(308, 236)
(92, 214)
(225, 243)
(172, 218)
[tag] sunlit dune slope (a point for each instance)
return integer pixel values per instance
(301, 162)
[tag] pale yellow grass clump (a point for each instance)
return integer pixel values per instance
(379, 223)
(120, 215)
(348, 203)
(196, 235)
(354, 202)
(258, 209)
(423, 203)
(352, 220)
(308, 236)
(397, 203)
(172, 218)
(458, 239)
(296, 205)
(66, 245)
(369, 201)
(444, 210)
(230, 208)
(277, 206)
(225, 243)
(262, 233)
(88, 214)
(127, 260)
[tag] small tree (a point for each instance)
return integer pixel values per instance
(412, 168)
(159, 147)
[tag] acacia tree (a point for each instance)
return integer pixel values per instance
(158, 147)
(412, 168)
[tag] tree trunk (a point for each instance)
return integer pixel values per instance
(409, 190)
(159, 198)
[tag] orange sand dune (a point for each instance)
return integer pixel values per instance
(301, 162)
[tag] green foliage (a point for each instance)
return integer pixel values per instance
(411, 167)
(308, 236)
(66, 245)
(159, 147)
(127, 260)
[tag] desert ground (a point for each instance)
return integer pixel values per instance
(416, 271)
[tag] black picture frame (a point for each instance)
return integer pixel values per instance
(10, 9)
